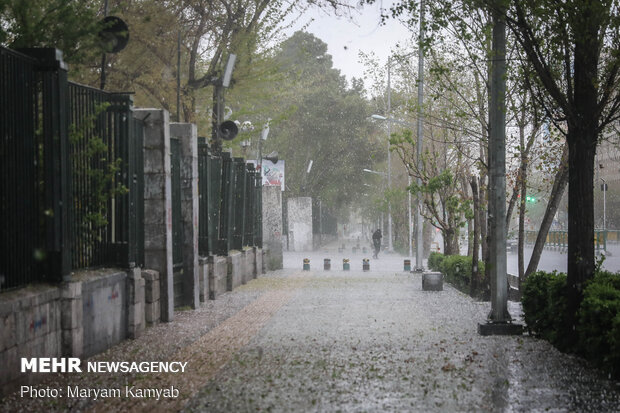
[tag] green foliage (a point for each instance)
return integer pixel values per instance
(435, 260)
(330, 122)
(69, 25)
(598, 325)
(457, 269)
(599, 321)
(96, 169)
(539, 313)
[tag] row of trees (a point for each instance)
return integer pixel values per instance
(563, 76)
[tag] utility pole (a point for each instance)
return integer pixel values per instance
(499, 320)
(389, 156)
(419, 242)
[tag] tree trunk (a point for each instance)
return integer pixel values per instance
(470, 237)
(450, 242)
(521, 241)
(484, 241)
(474, 260)
(559, 184)
(465, 185)
(580, 222)
(522, 188)
(582, 138)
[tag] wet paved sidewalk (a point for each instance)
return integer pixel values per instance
(374, 341)
(328, 341)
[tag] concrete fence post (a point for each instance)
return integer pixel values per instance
(188, 136)
(158, 203)
(272, 226)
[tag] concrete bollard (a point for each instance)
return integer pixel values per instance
(345, 264)
(327, 265)
(407, 265)
(306, 264)
(366, 264)
(432, 281)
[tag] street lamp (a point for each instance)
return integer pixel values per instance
(419, 236)
(389, 155)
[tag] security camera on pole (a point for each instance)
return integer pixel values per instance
(223, 130)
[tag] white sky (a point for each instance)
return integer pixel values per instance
(345, 36)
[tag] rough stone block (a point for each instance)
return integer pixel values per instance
(23, 318)
(71, 290)
(73, 342)
(432, 281)
(247, 265)
(218, 276)
(203, 278)
(136, 320)
(71, 313)
(235, 270)
(52, 344)
(150, 275)
(135, 286)
(55, 315)
(40, 323)
(153, 160)
(152, 312)
(154, 237)
(7, 331)
(157, 260)
(152, 287)
(258, 264)
(9, 362)
(156, 218)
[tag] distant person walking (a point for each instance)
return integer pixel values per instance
(376, 241)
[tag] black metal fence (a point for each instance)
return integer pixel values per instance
(323, 222)
(230, 203)
(21, 239)
(70, 179)
(106, 178)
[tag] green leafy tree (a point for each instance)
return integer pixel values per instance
(573, 68)
(69, 25)
(573, 50)
(328, 124)
(446, 205)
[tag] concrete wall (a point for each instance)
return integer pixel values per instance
(104, 311)
(30, 326)
(272, 226)
(79, 318)
(300, 224)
